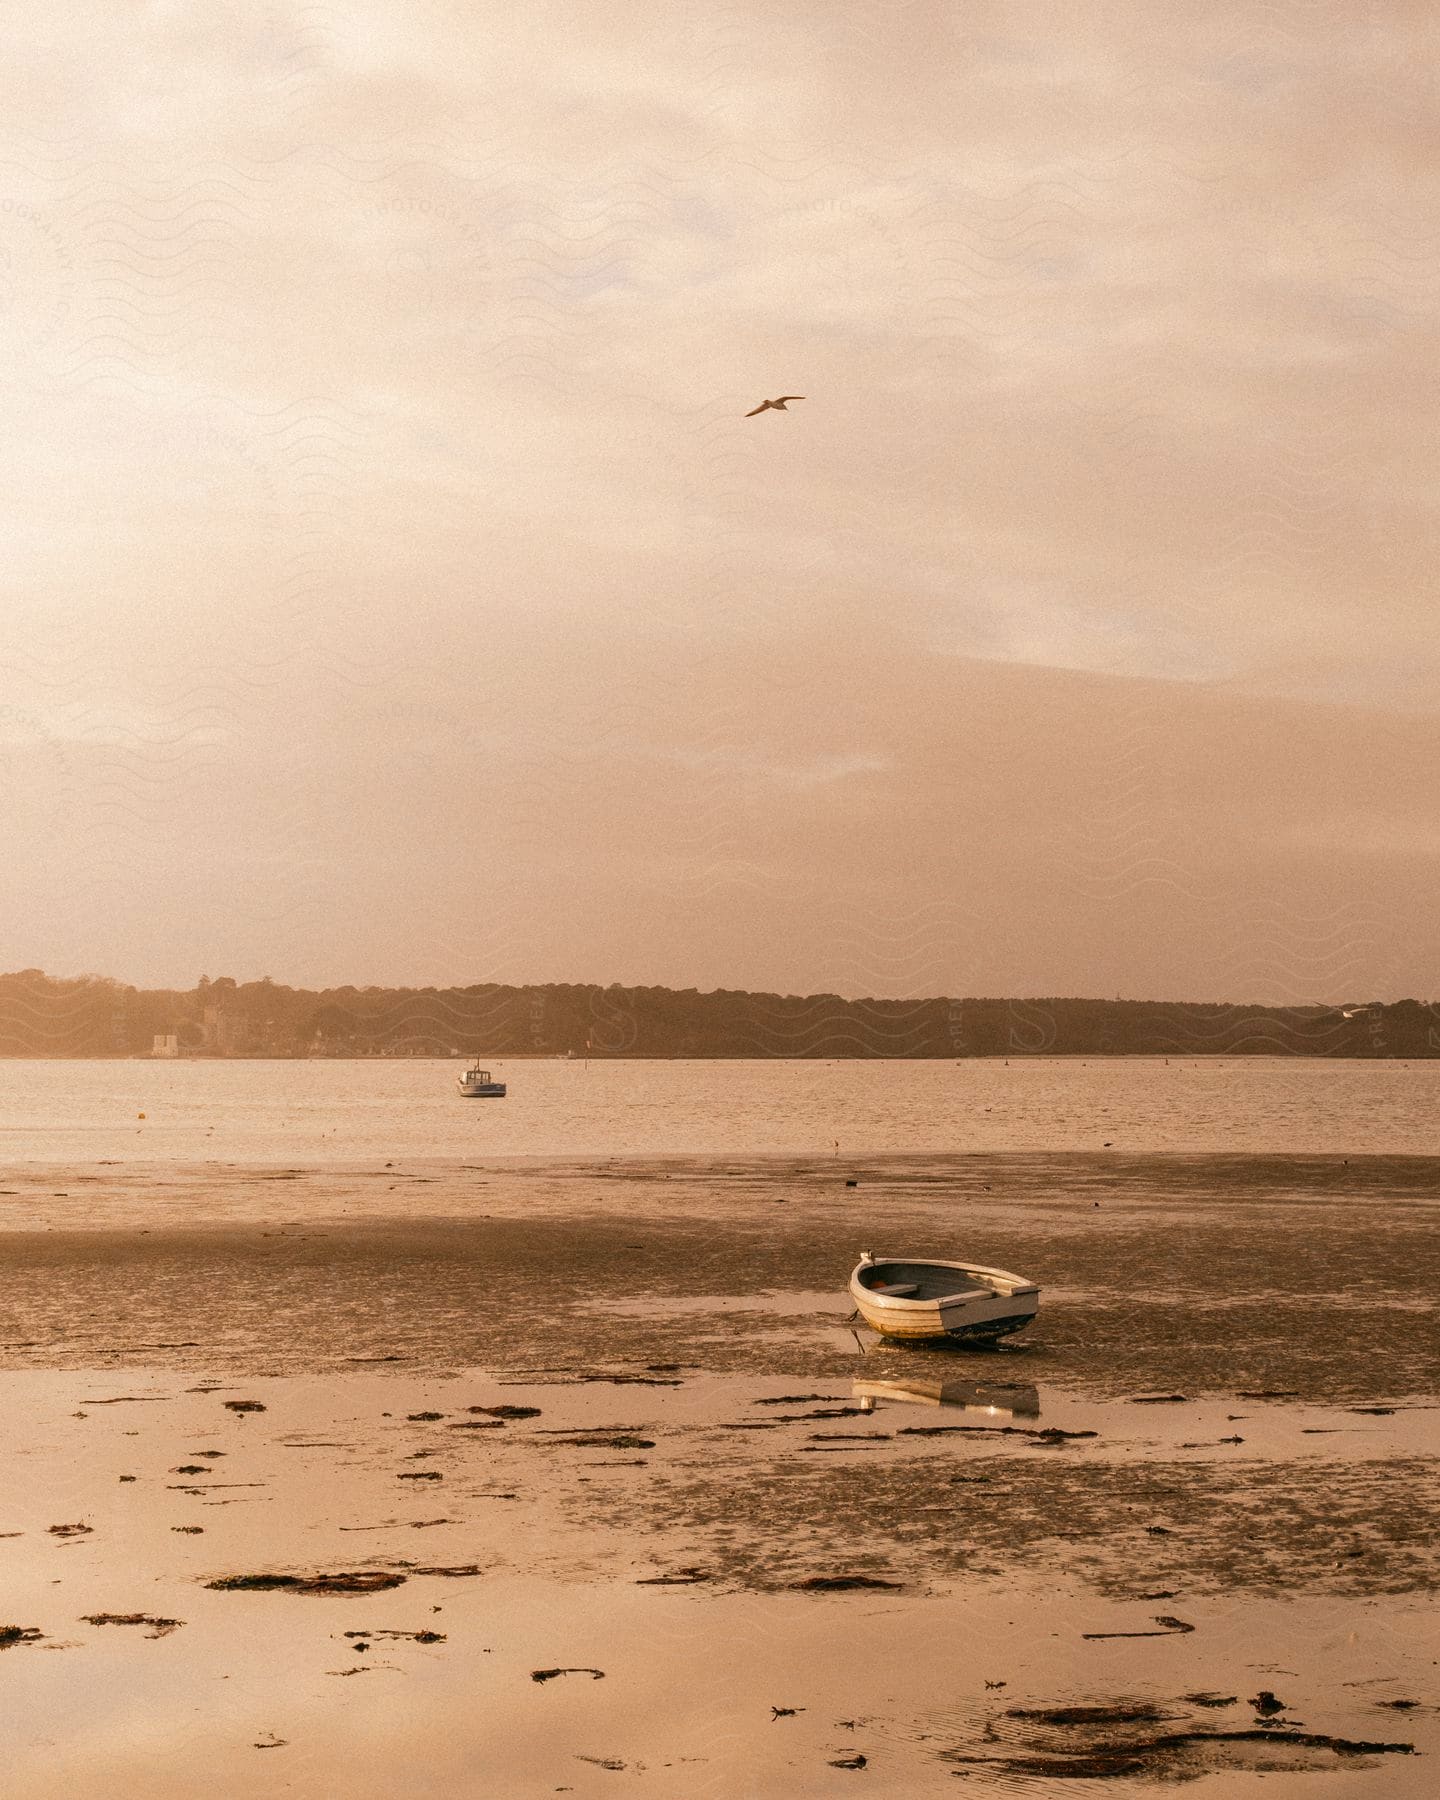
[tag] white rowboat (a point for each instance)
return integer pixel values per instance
(901, 1297)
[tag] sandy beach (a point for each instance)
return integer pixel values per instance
(523, 1478)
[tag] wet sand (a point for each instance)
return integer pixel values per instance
(614, 1424)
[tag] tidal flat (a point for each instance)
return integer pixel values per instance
(521, 1478)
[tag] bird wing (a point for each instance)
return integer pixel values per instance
(760, 408)
(785, 397)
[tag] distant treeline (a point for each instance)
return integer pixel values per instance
(93, 1016)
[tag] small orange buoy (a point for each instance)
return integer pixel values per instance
(139, 1115)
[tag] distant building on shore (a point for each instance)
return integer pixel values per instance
(165, 1043)
(222, 1033)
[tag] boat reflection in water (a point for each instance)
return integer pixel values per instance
(993, 1399)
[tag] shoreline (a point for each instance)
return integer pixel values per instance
(814, 1165)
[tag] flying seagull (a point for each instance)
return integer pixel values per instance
(779, 404)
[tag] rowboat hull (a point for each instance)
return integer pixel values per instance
(964, 1302)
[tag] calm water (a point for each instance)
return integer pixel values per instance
(267, 1112)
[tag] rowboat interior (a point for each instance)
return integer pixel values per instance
(924, 1281)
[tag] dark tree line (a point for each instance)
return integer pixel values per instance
(93, 1016)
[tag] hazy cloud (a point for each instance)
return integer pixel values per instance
(395, 590)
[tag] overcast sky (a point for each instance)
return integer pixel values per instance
(393, 590)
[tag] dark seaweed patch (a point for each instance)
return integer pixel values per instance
(844, 1584)
(347, 1581)
(158, 1627)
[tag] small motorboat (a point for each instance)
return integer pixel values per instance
(903, 1298)
(475, 1084)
